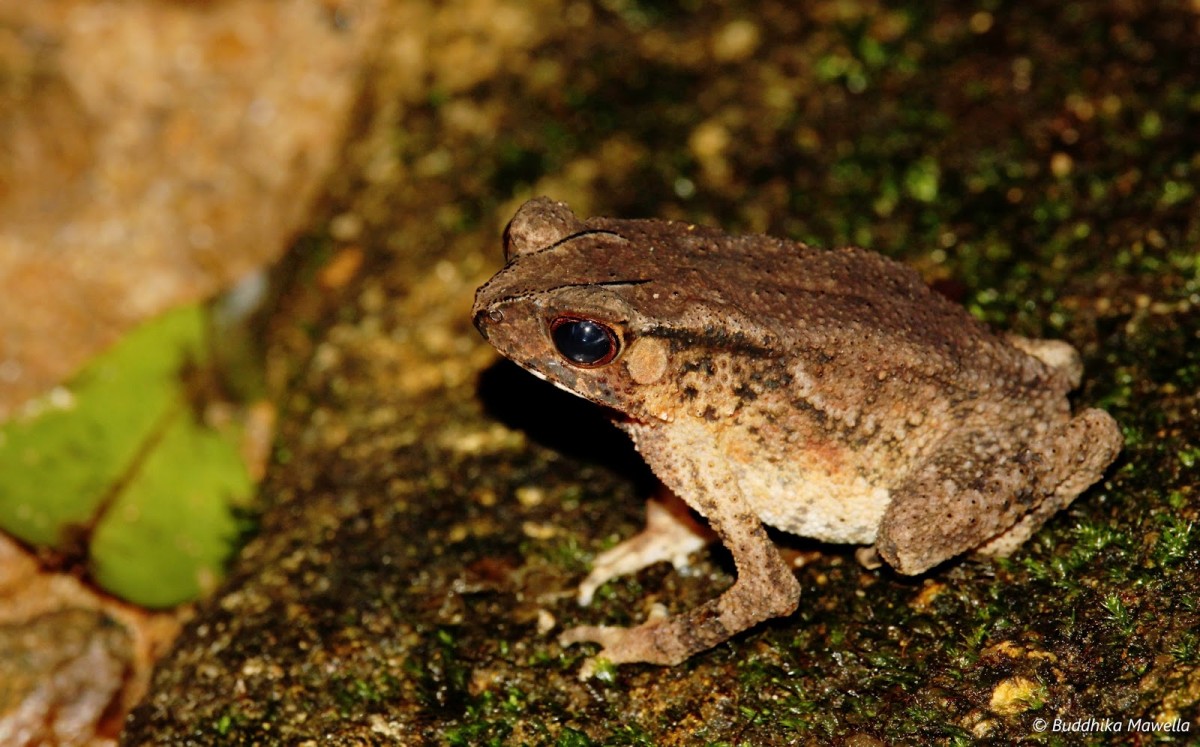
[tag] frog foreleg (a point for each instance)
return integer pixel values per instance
(765, 586)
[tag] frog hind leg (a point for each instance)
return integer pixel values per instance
(978, 492)
(971, 489)
(765, 586)
(1079, 453)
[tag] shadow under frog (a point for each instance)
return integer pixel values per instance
(506, 391)
(827, 393)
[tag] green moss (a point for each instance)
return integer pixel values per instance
(225, 724)
(571, 738)
(1186, 650)
(355, 694)
(1119, 614)
(1175, 539)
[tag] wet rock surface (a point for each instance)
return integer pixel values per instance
(432, 509)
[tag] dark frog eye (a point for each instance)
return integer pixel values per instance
(584, 342)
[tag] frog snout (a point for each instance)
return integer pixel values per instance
(486, 318)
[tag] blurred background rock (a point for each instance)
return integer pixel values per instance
(153, 153)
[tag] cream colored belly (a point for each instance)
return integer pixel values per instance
(830, 508)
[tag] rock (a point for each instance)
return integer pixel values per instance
(153, 153)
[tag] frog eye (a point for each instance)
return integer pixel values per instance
(584, 342)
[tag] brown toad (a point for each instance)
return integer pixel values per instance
(829, 393)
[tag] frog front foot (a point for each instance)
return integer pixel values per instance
(650, 642)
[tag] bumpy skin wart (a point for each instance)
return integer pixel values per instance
(828, 393)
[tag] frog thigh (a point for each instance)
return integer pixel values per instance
(1078, 453)
(970, 490)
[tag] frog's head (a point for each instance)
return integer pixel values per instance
(573, 306)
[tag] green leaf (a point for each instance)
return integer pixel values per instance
(118, 461)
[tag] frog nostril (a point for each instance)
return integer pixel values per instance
(484, 320)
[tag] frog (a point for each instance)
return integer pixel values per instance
(827, 393)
